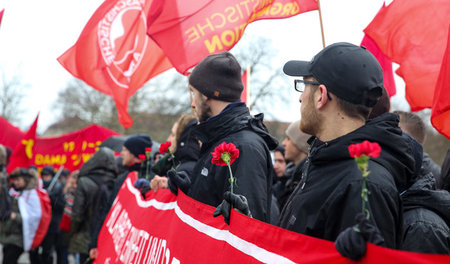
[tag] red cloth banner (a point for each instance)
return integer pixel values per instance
(113, 53)
(413, 33)
(1, 15)
(10, 135)
(22, 154)
(71, 150)
(168, 229)
(440, 114)
(188, 31)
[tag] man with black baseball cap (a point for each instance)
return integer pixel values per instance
(338, 88)
(216, 85)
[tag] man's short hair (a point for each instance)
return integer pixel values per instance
(413, 125)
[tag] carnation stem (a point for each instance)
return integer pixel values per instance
(231, 179)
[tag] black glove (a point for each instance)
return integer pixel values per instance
(143, 185)
(351, 243)
(178, 180)
(237, 201)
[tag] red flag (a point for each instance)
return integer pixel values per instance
(189, 33)
(1, 15)
(22, 155)
(114, 55)
(246, 92)
(411, 33)
(9, 134)
(385, 62)
(440, 113)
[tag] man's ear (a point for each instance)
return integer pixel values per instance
(322, 97)
(205, 98)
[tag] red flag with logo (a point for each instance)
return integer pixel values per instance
(188, 32)
(114, 55)
(411, 33)
(440, 113)
(22, 155)
(9, 134)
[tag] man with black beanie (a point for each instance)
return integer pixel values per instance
(215, 87)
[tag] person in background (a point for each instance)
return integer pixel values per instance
(95, 183)
(296, 150)
(414, 126)
(134, 146)
(280, 162)
(69, 195)
(11, 232)
(185, 149)
(44, 253)
(426, 211)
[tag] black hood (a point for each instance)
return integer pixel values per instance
(102, 163)
(231, 120)
(422, 195)
(396, 154)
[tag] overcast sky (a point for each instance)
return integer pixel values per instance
(33, 34)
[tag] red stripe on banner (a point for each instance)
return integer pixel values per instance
(170, 229)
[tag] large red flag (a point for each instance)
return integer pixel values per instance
(188, 33)
(22, 155)
(440, 114)
(113, 53)
(412, 33)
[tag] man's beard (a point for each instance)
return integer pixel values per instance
(204, 112)
(311, 120)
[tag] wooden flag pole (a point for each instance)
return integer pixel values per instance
(248, 86)
(321, 24)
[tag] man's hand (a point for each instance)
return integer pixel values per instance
(178, 180)
(93, 253)
(143, 185)
(158, 182)
(351, 243)
(237, 201)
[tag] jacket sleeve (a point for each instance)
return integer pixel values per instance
(426, 238)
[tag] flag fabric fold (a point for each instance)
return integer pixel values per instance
(440, 113)
(385, 62)
(411, 33)
(36, 212)
(114, 55)
(22, 154)
(189, 32)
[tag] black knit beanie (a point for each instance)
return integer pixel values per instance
(136, 144)
(218, 76)
(48, 170)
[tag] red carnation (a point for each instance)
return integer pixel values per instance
(371, 149)
(225, 154)
(164, 147)
(148, 149)
(141, 156)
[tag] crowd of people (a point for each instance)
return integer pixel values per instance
(307, 184)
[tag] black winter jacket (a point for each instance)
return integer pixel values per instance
(253, 169)
(328, 197)
(426, 216)
(102, 166)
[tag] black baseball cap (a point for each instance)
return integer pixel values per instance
(347, 70)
